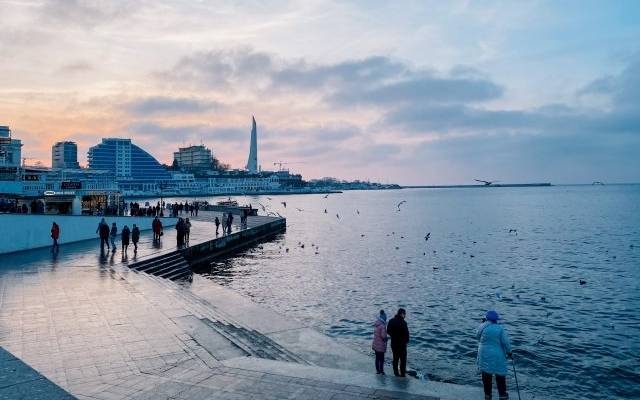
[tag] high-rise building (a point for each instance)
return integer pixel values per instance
(64, 155)
(126, 160)
(193, 158)
(252, 162)
(10, 154)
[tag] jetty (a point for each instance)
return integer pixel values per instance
(80, 324)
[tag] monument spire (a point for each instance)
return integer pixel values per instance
(252, 162)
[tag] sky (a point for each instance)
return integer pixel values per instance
(424, 92)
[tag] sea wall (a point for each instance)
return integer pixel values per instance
(27, 231)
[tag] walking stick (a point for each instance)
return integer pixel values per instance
(513, 363)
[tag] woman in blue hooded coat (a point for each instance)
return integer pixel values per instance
(493, 349)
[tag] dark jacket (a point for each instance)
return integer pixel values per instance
(104, 230)
(399, 331)
(135, 234)
(125, 236)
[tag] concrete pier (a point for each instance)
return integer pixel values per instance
(90, 327)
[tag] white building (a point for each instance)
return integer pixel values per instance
(193, 158)
(10, 155)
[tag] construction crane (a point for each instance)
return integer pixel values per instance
(281, 163)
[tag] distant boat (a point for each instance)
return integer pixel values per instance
(597, 183)
(228, 203)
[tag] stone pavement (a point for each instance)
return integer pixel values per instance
(95, 329)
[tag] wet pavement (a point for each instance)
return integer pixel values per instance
(88, 326)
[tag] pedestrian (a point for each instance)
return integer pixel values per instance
(180, 232)
(380, 338)
(156, 225)
(103, 231)
(217, 222)
(112, 235)
(197, 208)
(55, 234)
(229, 222)
(399, 332)
(135, 237)
(493, 349)
(125, 238)
(187, 229)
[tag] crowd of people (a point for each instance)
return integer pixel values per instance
(494, 348)
(180, 208)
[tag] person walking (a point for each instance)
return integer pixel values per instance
(187, 229)
(399, 332)
(112, 235)
(126, 233)
(55, 234)
(493, 349)
(217, 222)
(380, 338)
(180, 233)
(197, 208)
(156, 225)
(135, 237)
(103, 231)
(229, 222)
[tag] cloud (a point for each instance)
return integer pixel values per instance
(85, 13)
(170, 105)
(178, 133)
(623, 90)
(375, 80)
(76, 68)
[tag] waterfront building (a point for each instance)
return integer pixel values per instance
(252, 162)
(193, 159)
(64, 155)
(126, 161)
(10, 155)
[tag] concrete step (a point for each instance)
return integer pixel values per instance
(147, 265)
(386, 386)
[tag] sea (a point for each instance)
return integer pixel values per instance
(560, 264)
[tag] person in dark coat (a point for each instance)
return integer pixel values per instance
(187, 229)
(55, 234)
(180, 229)
(103, 231)
(217, 222)
(126, 233)
(135, 237)
(113, 235)
(399, 331)
(156, 225)
(229, 222)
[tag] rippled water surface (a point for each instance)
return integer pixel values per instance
(574, 341)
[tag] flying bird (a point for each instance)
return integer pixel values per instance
(401, 203)
(299, 209)
(338, 216)
(427, 236)
(358, 212)
(326, 195)
(284, 203)
(513, 231)
(486, 183)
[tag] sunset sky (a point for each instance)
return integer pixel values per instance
(424, 92)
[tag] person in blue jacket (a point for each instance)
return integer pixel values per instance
(493, 350)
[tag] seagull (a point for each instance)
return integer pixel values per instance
(269, 198)
(338, 216)
(325, 210)
(326, 195)
(299, 209)
(427, 236)
(284, 203)
(583, 282)
(362, 235)
(513, 231)
(401, 203)
(263, 207)
(358, 212)
(408, 262)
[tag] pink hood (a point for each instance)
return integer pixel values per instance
(379, 337)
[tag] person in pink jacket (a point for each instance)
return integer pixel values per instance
(379, 344)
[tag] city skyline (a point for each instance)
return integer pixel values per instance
(413, 93)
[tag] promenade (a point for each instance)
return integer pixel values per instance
(83, 325)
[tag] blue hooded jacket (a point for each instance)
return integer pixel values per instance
(493, 348)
